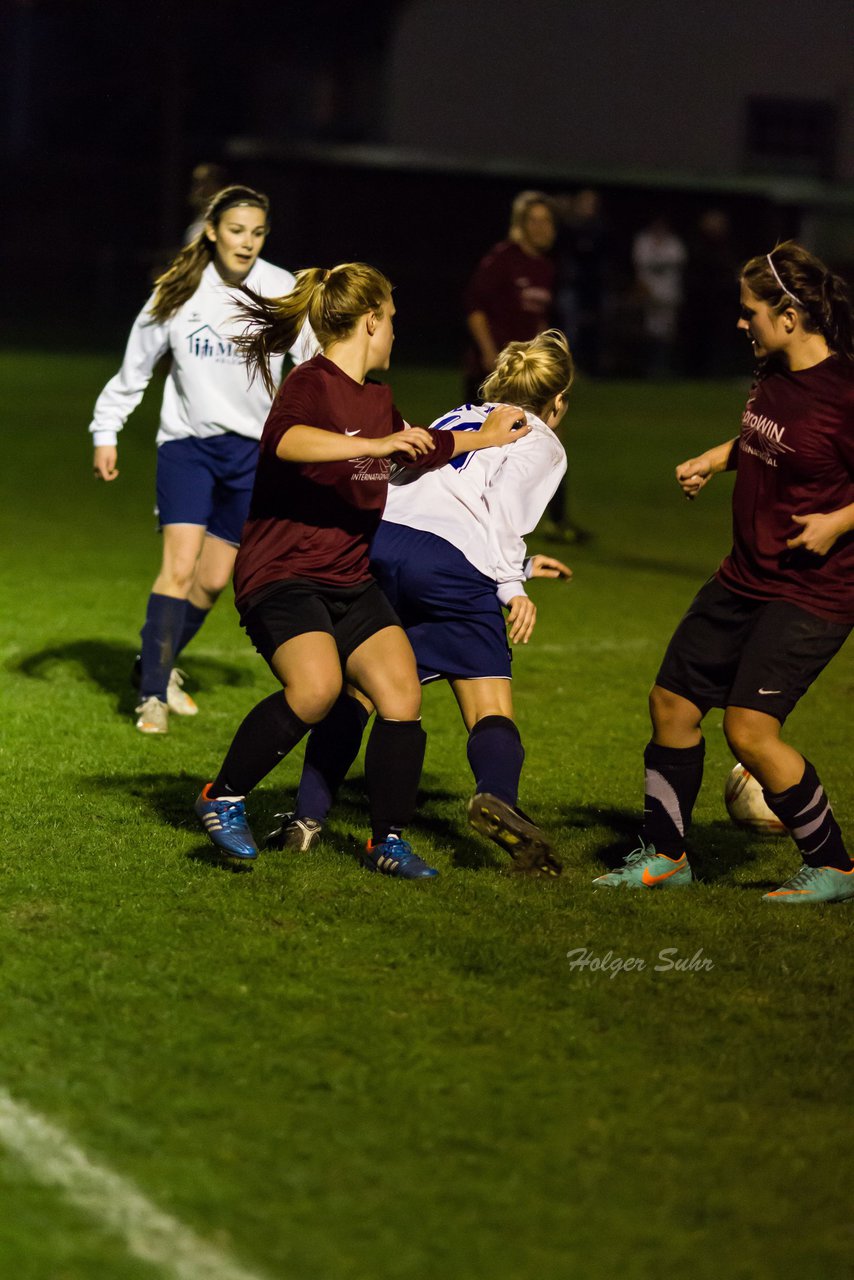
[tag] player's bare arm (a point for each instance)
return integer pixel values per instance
(694, 473)
(313, 444)
(104, 462)
(820, 531)
(479, 329)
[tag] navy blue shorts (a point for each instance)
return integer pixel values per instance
(735, 651)
(449, 609)
(207, 482)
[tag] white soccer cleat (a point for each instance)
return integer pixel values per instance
(152, 716)
(177, 700)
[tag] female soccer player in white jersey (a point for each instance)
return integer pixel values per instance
(449, 554)
(782, 602)
(210, 424)
(302, 582)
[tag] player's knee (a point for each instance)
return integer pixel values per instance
(399, 702)
(668, 711)
(748, 734)
(314, 697)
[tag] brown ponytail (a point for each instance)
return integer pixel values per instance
(181, 278)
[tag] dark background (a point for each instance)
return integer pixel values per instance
(108, 106)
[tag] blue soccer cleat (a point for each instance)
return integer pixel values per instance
(226, 825)
(644, 868)
(814, 884)
(395, 857)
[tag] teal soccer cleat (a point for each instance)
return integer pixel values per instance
(814, 884)
(646, 869)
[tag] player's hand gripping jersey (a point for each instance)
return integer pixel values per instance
(484, 503)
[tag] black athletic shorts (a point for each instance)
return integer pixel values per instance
(288, 609)
(734, 651)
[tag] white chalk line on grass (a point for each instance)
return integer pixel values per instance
(111, 1200)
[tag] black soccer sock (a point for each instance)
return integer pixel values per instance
(268, 733)
(672, 777)
(330, 751)
(193, 619)
(393, 760)
(805, 811)
(496, 756)
(164, 621)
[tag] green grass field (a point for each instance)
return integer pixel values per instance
(330, 1076)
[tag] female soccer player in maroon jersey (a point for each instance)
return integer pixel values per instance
(782, 602)
(302, 584)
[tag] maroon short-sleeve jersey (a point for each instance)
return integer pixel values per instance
(316, 520)
(795, 457)
(515, 291)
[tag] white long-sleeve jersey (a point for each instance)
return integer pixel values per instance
(484, 503)
(207, 390)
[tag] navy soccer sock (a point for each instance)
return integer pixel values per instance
(393, 760)
(805, 810)
(672, 777)
(268, 733)
(193, 619)
(496, 756)
(331, 749)
(164, 621)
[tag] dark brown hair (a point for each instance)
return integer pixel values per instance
(181, 278)
(791, 276)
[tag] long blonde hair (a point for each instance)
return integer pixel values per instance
(332, 301)
(531, 374)
(181, 278)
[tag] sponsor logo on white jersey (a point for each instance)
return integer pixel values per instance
(206, 344)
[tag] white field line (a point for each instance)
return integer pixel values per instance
(112, 1201)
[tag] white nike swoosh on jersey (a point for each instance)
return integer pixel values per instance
(352, 433)
(770, 690)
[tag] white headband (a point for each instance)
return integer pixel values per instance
(787, 292)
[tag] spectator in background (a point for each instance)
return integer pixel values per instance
(659, 259)
(206, 180)
(710, 272)
(581, 251)
(510, 297)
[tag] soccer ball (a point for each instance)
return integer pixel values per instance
(746, 804)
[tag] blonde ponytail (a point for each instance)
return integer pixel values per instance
(332, 301)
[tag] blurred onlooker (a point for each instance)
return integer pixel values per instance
(710, 307)
(581, 253)
(659, 261)
(206, 180)
(510, 297)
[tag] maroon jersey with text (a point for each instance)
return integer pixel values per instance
(795, 456)
(515, 291)
(316, 520)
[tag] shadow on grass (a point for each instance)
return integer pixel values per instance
(109, 664)
(170, 797)
(716, 849)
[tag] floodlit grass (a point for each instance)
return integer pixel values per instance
(334, 1075)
